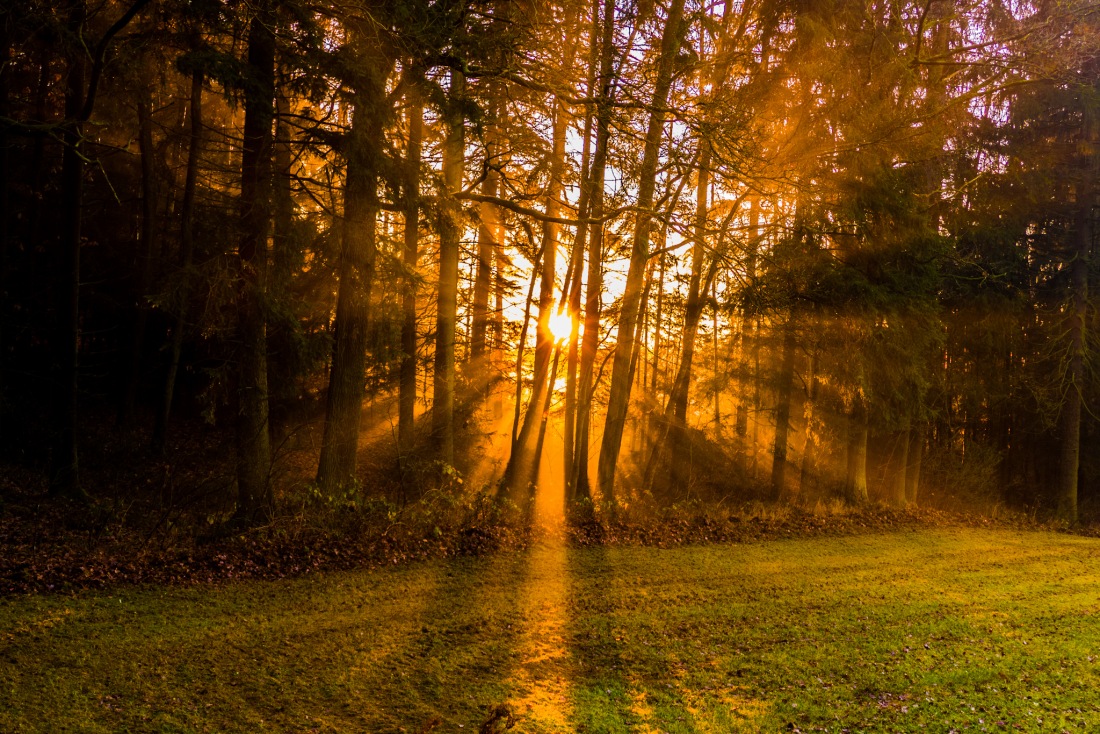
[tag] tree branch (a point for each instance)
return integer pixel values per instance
(101, 54)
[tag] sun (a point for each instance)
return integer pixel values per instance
(560, 324)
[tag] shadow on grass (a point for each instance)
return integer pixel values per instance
(453, 665)
(650, 657)
(601, 696)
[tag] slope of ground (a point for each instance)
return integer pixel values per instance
(936, 629)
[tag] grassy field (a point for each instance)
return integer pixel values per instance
(979, 630)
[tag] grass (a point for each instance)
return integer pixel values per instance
(962, 629)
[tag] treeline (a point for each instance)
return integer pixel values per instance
(796, 248)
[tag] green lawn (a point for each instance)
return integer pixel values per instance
(937, 629)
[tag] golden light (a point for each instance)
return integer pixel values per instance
(560, 325)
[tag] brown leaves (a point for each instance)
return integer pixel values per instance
(53, 548)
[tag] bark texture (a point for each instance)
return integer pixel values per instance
(356, 273)
(443, 402)
(254, 500)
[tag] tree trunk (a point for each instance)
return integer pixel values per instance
(1077, 324)
(809, 444)
(187, 254)
(64, 464)
(855, 484)
(693, 311)
(346, 382)
(496, 355)
(757, 397)
(576, 264)
(783, 413)
(741, 407)
(669, 435)
(697, 288)
(641, 356)
(487, 233)
(254, 499)
(676, 413)
(284, 360)
(450, 232)
(715, 368)
(521, 462)
(506, 484)
(65, 467)
(913, 465)
(748, 367)
(407, 390)
(147, 246)
(898, 466)
(619, 398)
(594, 285)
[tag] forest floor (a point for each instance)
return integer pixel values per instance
(937, 628)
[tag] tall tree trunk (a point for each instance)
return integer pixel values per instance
(450, 231)
(856, 479)
(521, 463)
(693, 310)
(487, 233)
(576, 264)
(520, 348)
(187, 255)
(718, 426)
(659, 320)
(757, 394)
(676, 412)
(641, 356)
(913, 465)
(148, 257)
(79, 103)
(346, 388)
(1077, 324)
(483, 280)
(669, 434)
(808, 467)
(749, 353)
(620, 373)
(254, 500)
(65, 466)
(284, 362)
(898, 468)
(594, 285)
(496, 355)
(407, 391)
(783, 412)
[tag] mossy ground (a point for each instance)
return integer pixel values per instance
(942, 629)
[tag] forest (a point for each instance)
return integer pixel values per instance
(494, 301)
(783, 251)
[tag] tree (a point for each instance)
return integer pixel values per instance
(254, 498)
(187, 258)
(615, 420)
(450, 232)
(407, 396)
(81, 91)
(364, 144)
